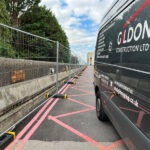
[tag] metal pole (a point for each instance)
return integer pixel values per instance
(69, 64)
(57, 65)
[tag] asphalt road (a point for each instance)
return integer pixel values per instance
(68, 124)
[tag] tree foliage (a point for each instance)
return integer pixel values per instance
(16, 8)
(41, 21)
(4, 17)
(27, 15)
(5, 34)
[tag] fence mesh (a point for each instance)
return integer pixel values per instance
(25, 56)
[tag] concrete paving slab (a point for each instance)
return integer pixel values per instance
(64, 145)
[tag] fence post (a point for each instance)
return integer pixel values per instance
(69, 64)
(57, 65)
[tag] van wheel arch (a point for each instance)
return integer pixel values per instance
(99, 108)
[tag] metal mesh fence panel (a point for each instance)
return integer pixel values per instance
(25, 56)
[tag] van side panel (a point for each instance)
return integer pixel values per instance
(122, 72)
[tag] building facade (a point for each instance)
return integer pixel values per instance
(90, 58)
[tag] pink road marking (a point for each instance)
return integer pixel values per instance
(82, 86)
(83, 83)
(81, 94)
(73, 113)
(140, 118)
(114, 145)
(85, 78)
(85, 91)
(112, 96)
(76, 101)
(92, 141)
(128, 109)
(83, 136)
(32, 121)
(34, 128)
(28, 125)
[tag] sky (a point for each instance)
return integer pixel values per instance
(80, 19)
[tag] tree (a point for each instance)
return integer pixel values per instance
(17, 8)
(41, 21)
(4, 17)
(6, 49)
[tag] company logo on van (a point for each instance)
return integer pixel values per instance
(139, 32)
(134, 33)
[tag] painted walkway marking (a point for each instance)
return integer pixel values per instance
(54, 118)
(75, 131)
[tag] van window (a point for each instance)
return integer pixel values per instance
(114, 9)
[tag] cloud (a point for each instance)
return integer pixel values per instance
(80, 19)
(94, 9)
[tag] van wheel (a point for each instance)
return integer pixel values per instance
(99, 108)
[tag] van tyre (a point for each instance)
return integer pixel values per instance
(99, 108)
